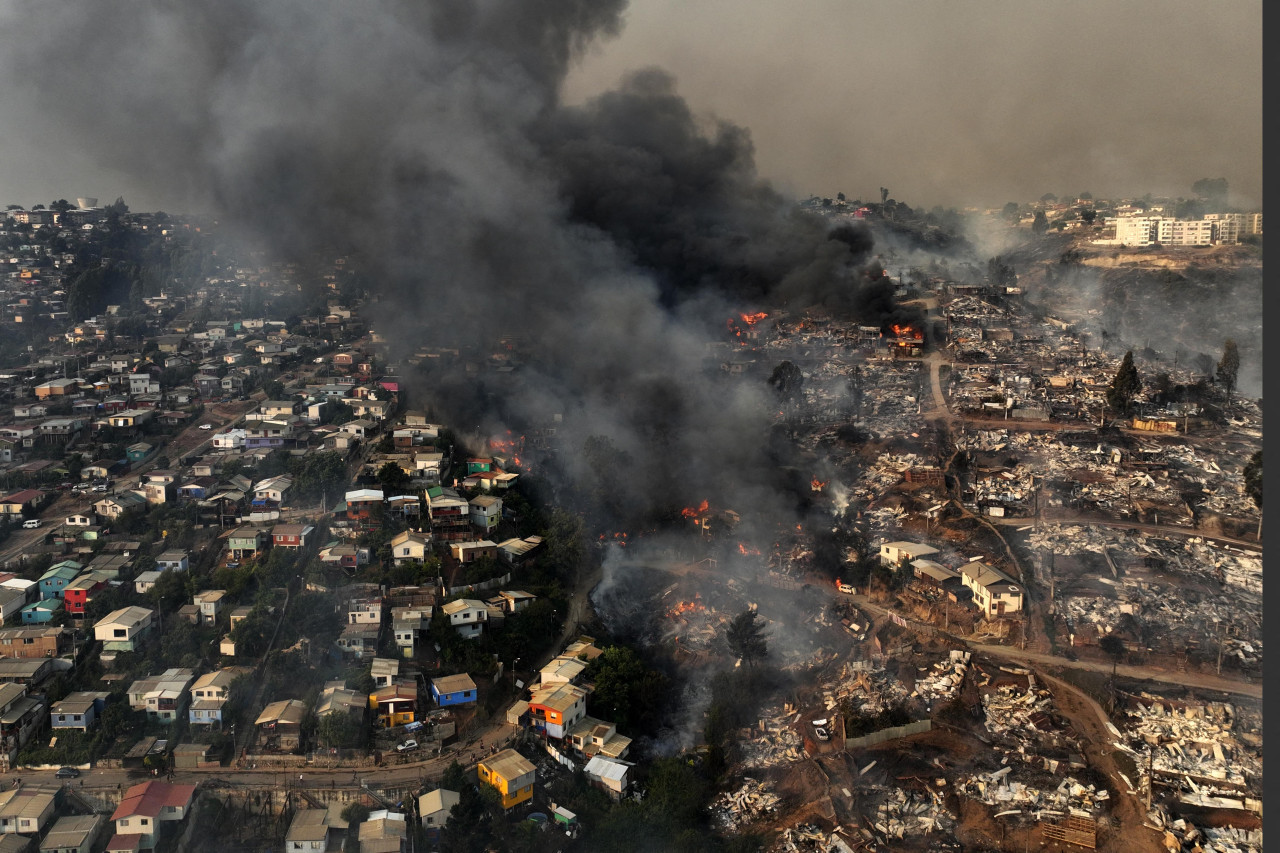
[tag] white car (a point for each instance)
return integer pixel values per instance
(407, 746)
(206, 426)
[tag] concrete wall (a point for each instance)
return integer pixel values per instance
(889, 734)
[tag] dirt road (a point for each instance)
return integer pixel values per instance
(1202, 681)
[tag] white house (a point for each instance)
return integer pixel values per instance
(409, 546)
(467, 616)
(893, 553)
(994, 592)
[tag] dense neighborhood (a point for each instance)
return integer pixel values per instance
(253, 588)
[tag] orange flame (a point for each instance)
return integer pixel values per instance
(752, 319)
(690, 512)
(817, 485)
(748, 552)
(683, 607)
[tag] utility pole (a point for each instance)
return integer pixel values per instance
(1220, 630)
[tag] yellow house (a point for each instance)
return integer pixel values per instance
(511, 773)
(395, 704)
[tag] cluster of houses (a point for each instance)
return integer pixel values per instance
(974, 582)
(148, 812)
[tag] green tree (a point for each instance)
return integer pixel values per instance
(627, 691)
(1125, 386)
(1229, 366)
(1088, 214)
(393, 478)
(1040, 223)
(339, 729)
(746, 638)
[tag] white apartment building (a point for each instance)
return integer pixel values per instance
(1185, 232)
(1137, 230)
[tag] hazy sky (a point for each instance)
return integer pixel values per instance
(958, 103)
(943, 102)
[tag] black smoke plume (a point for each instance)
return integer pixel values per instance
(429, 142)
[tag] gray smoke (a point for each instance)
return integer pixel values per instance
(427, 141)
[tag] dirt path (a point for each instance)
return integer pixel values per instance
(1202, 681)
(1128, 811)
(1159, 529)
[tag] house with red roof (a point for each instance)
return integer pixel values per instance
(144, 808)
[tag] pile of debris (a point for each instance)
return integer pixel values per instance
(779, 742)
(1027, 721)
(945, 677)
(749, 803)
(1183, 837)
(810, 838)
(908, 813)
(1194, 744)
(885, 473)
(869, 691)
(997, 789)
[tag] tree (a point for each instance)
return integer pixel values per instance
(1040, 223)
(1253, 484)
(393, 478)
(745, 636)
(1229, 366)
(355, 813)
(1010, 211)
(787, 381)
(1113, 647)
(1212, 190)
(626, 691)
(339, 729)
(1088, 214)
(1125, 386)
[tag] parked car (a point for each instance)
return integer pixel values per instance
(31, 523)
(233, 564)
(407, 746)
(206, 426)
(67, 773)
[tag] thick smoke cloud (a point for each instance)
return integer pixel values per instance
(428, 141)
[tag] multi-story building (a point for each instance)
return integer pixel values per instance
(511, 774)
(1185, 232)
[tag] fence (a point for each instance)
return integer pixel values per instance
(560, 757)
(492, 583)
(889, 734)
